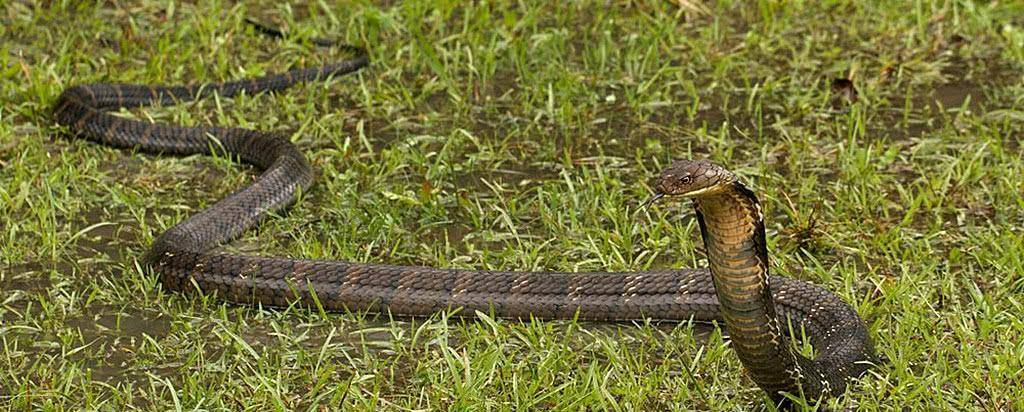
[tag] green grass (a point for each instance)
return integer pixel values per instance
(520, 137)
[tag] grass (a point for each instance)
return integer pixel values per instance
(520, 136)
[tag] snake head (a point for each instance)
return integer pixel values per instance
(691, 178)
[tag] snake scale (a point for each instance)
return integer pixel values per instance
(760, 312)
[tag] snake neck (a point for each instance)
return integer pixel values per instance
(732, 227)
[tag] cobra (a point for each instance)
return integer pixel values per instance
(760, 311)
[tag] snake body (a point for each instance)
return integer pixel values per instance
(736, 290)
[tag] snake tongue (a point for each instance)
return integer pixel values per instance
(651, 201)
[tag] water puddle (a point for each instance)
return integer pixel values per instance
(116, 323)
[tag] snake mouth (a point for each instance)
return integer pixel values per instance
(658, 195)
(699, 192)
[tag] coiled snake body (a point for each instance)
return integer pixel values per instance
(735, 289)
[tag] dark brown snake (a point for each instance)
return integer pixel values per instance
(760, 312)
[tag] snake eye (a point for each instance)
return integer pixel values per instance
(685, 180)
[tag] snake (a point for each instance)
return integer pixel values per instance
(763, 314)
